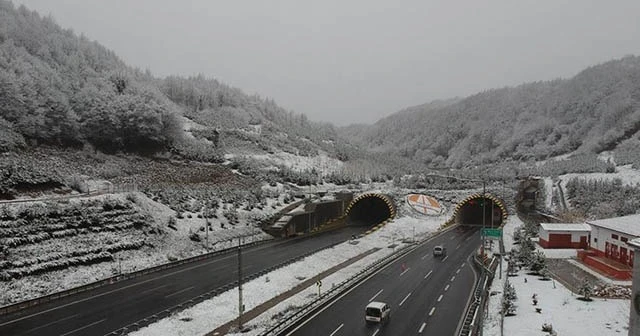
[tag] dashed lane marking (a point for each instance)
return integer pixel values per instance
(405, 299)
(378, 293)
(446, 288)
(50, 323)
(428, 274)
(180, 291)
(85, 327)
(440, 297)
(338, 328)
(422, 327)
(432, 311)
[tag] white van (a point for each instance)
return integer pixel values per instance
(439, 251)
(377, 312)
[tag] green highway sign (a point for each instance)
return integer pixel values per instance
(492, 232)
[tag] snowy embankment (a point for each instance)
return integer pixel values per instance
(559, 306)
(213, 313)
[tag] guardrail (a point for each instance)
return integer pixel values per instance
(329, 295)
(111, 280)
(473, 317)
(200, 298)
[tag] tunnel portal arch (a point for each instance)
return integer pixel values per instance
(470, 211)
(370, 209)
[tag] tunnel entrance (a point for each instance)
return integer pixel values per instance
(480, 210)
(370, 210)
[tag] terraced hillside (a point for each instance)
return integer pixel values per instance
(43, 237)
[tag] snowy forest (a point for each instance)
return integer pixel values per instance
(594, 111)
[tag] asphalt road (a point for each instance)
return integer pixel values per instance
(427, 295)
(109, 308)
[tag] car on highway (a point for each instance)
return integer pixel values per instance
(439, 251)
(378, 312)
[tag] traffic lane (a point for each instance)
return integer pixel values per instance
(450, 311)
(198, 275)
(451, 286)
(346, 315)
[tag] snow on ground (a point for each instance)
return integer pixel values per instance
(560, 307)
(320, 162)
(548, 188)
(628, 175)
(213, 313)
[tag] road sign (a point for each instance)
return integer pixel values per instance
(492, 232)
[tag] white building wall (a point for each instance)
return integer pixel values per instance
(603, 236)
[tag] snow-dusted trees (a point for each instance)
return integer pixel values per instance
(603, 198)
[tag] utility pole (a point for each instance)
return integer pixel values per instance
(484, 201)
(240, 305)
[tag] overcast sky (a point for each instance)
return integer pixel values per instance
(348, 61)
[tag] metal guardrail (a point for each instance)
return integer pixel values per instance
(111, 280)
(335, 291)
(206, 296)
(473, 318)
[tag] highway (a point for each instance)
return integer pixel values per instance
(109, 308)
(427, 295)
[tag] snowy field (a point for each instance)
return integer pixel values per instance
(213, 313)
(560, 307)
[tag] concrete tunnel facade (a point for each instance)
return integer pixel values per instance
(370, 209)
(472, 210)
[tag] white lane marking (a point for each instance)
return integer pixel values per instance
(85, 327)
(446, 288)
(152, 289)
(432, 310)
(422, 328)
(452, 238)
(428, 274)
(440, 297)
(375, 332)
(115, 290)
(335, 331)
(50, 323)
(426, 255)
(180, 291)
(458, 271)
(468, 238)
(453, 278)
(405, 271)
(405, 299)
(462, 265)
(378, 293)
(457, 247)
(445, 258)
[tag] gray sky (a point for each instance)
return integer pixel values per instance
(347, 61)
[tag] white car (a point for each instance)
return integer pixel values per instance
(439, 251)
(378, 312)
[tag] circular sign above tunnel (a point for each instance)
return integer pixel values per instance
(424, 204)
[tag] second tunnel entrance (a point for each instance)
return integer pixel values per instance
(370, 209)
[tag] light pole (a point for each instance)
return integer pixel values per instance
(240, 305)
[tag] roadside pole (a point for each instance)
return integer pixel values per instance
(240, 305)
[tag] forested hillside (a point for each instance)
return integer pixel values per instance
(591, 112)
(60, 89)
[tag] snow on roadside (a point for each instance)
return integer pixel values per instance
(560, 307)
(221, 309)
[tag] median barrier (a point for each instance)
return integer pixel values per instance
(114, 279)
